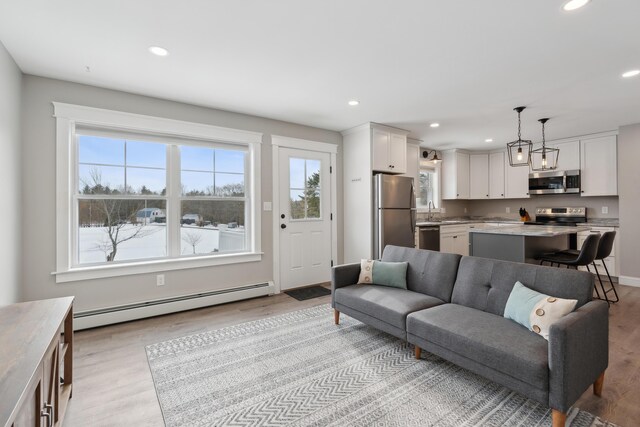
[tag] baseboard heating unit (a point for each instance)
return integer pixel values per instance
(126, 312)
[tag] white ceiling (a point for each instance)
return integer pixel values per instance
(464, 63)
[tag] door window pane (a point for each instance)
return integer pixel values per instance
(120, 230)
(304, 188)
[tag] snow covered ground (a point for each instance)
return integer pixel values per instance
(93, 242)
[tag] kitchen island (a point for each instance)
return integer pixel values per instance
(523, 243)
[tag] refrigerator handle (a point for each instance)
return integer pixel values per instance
(413, 196)
(413, 221)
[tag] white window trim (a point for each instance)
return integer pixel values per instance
(278, 142)
(68, 116)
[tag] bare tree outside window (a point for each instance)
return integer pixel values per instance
(118, 217)
(192, 239)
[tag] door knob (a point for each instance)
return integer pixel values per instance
(282, 216)
(283, 226)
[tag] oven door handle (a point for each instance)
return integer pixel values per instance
(564, 181)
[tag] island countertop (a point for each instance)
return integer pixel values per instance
(532, 230)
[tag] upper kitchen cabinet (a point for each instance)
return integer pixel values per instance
(516, 183)
(455, 175)
(568, 157)
(479, 176)
(389, 149)
(413, 160)
(496, 175)
(599, 161)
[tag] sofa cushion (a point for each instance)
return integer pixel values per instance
(491, 340)
(429, 272)
(383, 273)
(391, 305)
(536, 311)
(486, 284)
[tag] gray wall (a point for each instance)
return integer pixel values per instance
(10, 85)
(498, 207)
(629, 191)
(38, 189)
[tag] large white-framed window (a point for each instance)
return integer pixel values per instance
(428, 186)
(139, 194)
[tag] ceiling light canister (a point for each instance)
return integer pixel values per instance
(158, 51)
(574, 4)
(630, 73)
(354, 102)
(435, 125)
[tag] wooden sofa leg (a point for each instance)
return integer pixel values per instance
(336, 316)
(558, 418)
(418, 352)
(597, 386)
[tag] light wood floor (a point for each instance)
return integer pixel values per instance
(113, 385)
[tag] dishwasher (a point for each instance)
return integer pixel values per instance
(429, 238)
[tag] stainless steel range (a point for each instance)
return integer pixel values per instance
(570, 216)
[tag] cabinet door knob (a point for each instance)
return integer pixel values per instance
(283, 226)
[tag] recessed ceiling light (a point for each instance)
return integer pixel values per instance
(631, 73)
(574, 4)
(159, 51)
(354, 102)
(435, 125)
(488, 140)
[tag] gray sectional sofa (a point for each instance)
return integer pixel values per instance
(454, 308)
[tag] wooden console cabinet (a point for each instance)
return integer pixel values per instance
(36, 362)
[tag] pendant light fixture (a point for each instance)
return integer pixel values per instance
(435, 158)
(544, 158)
(519, 150)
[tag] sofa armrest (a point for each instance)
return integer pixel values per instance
(343, 275)
(578, 353)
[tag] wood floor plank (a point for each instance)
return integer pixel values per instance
(113, 385)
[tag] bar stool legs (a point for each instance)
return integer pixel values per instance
(613, 287)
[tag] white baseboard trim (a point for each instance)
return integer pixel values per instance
(110, 315)
(629, 281)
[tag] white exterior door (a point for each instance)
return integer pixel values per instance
(304, 213)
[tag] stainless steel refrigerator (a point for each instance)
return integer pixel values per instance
(394, 212)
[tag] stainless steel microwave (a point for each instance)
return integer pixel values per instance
(555, 182)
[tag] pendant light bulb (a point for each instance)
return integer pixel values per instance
(544, 160)
(519, 156)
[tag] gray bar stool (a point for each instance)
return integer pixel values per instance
(575, 259)
(605, 246)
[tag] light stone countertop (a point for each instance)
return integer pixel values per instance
(532, 230)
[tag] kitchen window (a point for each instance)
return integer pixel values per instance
(428, 186)
(164, 195)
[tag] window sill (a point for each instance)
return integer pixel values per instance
(147, 267)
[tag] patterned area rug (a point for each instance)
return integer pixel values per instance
(300, 369)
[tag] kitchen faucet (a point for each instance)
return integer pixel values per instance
(429, 206)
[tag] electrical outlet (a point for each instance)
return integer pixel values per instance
(508, 209)
(605, 209)
(160, 280)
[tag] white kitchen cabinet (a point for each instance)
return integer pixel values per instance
(479, 176)
(599, 164)
(496, 175)
(516, 183)
(413, 161)
(455, 175)
(568, 156)
(389, 151)
(454, 239)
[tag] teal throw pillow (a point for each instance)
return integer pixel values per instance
(536, 311)
(392, 274)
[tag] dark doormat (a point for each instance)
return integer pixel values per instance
(308, 293)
